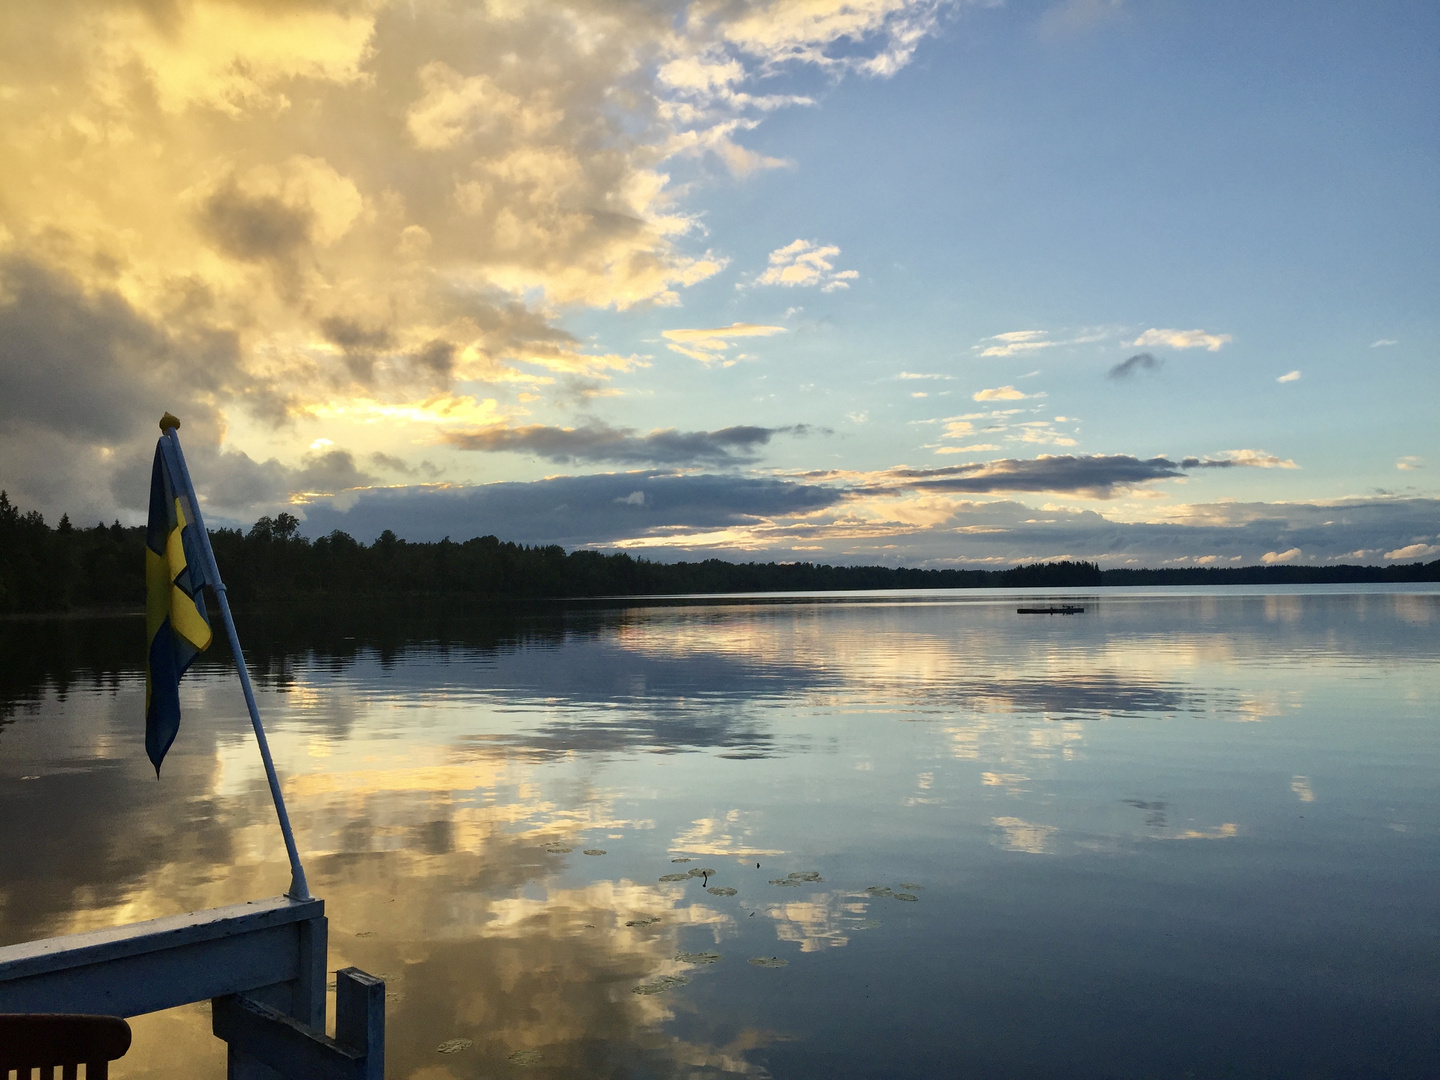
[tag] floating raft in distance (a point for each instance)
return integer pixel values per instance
(1062, 609)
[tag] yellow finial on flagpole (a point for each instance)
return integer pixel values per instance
(167, 422)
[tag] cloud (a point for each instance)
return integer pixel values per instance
(329, 472)
(1039, 433)
(874, 37)
(575, 510)
(708, 346)
(976, 448)
(1019, 341)
(254, 227)
(1001, 393)
(1098, 476)
(1410, 462)
(455, 108)
(234, 59)
(1414, 551)
(83, 377)
(847, 520)
(1290, 376)
(597, 441)
(332, 208)
(1252, 459)
(1383, 342)
(1182, 339)
(803, 263)
(1289, 555)
(1139, 362)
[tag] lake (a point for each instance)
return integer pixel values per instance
(1187, 833)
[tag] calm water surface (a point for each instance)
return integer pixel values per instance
(1186, 834)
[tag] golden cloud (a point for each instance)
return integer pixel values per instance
(1183, 339)
(709, 346)
(359, 204)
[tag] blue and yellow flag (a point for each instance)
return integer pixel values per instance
(176, 624)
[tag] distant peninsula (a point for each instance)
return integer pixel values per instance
(65, 568)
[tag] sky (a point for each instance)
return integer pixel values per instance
(907, 282)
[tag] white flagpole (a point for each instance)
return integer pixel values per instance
(299, 890)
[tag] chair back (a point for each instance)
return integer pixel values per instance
(65, 1041)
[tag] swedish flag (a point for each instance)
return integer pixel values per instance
(176, 623)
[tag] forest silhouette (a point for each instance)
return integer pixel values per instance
(64, 568)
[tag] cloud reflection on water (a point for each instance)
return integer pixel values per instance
(430, 765)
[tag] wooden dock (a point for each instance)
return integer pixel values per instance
(261, 965)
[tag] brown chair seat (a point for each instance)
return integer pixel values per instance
(50, 1041)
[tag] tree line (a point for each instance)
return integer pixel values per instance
(66, 568)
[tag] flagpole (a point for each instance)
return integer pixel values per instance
(299, 890)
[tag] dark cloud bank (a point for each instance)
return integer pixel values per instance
(573, 510)
(597, 441)
(602, 510)
(1100, 476)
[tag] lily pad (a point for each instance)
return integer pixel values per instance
(697, 957)
(454, 1046)
(526, 1057)
(906, 896)
(558, 849)
(880, 890)
(705, 871)
(646, 921)
(805, 875)
(366, 933)
(675, 877)
(721, 890)
(660, 985)
(910, 886)
(769, 961)
(683, 858)
(593, 851)
(786, 881)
